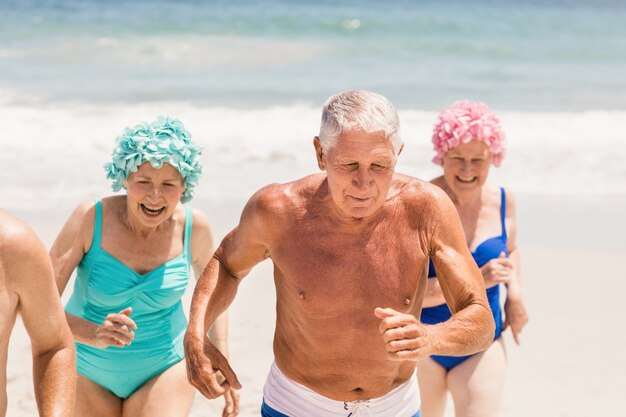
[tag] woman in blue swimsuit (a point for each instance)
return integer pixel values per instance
(132, 254)
(467, 139)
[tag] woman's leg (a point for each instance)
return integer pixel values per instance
(476, 384)
(166, 395)
(92, 400)
(433, 390)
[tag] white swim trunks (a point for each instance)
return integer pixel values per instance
(283, 397)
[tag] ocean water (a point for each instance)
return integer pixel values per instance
(522, 55)
(249, 79)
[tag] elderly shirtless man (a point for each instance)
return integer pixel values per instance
(350, 249)
(27, 286)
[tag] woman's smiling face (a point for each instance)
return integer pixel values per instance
(153, 194)
(466, 166)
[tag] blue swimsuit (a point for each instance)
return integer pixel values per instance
(486, 251)
(105, 285)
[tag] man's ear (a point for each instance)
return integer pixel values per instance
(319, 153)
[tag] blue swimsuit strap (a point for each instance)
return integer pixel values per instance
(503, 211)
(187, 235)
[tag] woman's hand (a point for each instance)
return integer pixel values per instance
(497, 271)
(516, 315)
(116, 330)
(231, 403)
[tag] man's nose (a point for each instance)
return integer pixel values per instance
(363, 178)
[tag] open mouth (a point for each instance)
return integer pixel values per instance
(467, 180)
(152, 210)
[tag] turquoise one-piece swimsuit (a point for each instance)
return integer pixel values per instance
(105, 285)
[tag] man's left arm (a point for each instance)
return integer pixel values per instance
(471, 327)
(28, 265)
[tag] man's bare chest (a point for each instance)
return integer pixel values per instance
(364, 268)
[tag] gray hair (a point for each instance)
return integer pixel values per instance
(359, 109)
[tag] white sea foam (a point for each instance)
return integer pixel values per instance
(53, 153)
(184, 52)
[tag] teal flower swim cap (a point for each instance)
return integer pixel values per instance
(164, 141)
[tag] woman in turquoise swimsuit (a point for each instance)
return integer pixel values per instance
(133, 254)
(467, 139)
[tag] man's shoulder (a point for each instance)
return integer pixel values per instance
(414, 191)
(14, 234)
(18, 242)
(24, 259)
(277, 198)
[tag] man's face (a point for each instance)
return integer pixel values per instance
(359, 169)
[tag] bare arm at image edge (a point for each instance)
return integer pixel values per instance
(54, 369)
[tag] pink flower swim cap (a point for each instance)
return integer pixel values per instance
(465, 121)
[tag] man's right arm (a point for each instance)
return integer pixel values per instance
(243, 248)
